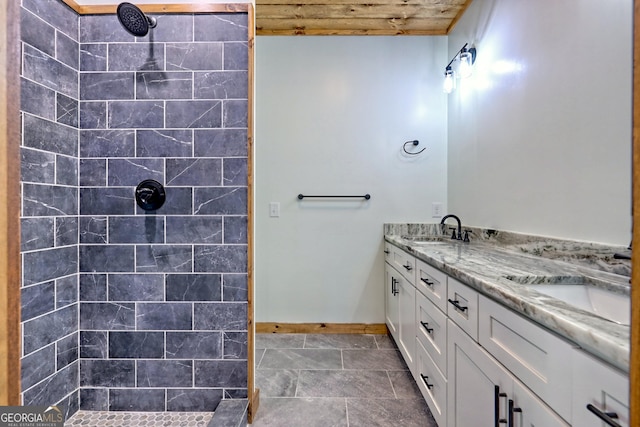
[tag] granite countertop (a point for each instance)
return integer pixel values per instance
(485, 265)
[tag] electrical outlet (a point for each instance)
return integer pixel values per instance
(436, 210)
(274, 209)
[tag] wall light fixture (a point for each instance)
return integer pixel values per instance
(466, 57)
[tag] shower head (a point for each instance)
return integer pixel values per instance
(134, 20)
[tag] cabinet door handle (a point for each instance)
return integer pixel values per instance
(426, 381)
(386, 251)
(457, 305)
(512, 410)
(426, 326)
(394, 282)
(607, 417)
(408, 267)
(496, 405)
(426, 281)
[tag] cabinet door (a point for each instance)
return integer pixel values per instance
(526, 410)
(391, 300)
(407, 322)
(431, 329)
(599, 385)
(478, 388)
(432, 283)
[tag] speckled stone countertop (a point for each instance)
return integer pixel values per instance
(491, 257)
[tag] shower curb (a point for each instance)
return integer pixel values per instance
(230, 413)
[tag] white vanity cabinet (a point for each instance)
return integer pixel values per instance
(391, 302)
(602, 387)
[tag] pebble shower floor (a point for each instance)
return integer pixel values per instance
(139, 419)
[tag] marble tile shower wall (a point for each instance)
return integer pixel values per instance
(163, 294)
(49, 216)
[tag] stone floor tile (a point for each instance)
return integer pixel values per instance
(280, 340)
(385, 342)
(277, 382)
(330, 383)
(404, 385)
(373, 359)
(301, 359)
(297, 412)
(340, 341)
(389, 412)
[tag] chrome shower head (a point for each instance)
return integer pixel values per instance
(134, 20)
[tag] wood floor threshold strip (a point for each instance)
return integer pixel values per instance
(321, 328)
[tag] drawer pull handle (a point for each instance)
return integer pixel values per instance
(457, 305)
(496, 409)
(512, 410)
(394, 290)
(386, 251)
(426, 326)
(607, 417)
(426, 381)
(426, 281)
(408, 267)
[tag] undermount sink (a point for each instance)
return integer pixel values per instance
(586, 294)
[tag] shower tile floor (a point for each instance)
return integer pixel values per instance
(310, 380)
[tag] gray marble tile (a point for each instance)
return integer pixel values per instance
(37, 99)
(220, 258)
(234, 287)
(56, 13)
(339, 383)
(236, 56)
(35, 32)
(106, 86)
(37, 166)
(220, 27)
(164, 143)
(194, 345)
(136, 287)
(93, 57)
(235, 229)
(137, 114)
(277, 382)
(66, 110)
(301, 359)
(67, 50)
(106, 258)
(194, 56)
(49, 200)
(49, 328)
(164, 258)
(67, 351)
(134, 56)
(36, 233)
(235, 345)
(280, 340)
(220, 85)
(93, 287)
(191, 400)
(66, 231)
(40, 67)
(136, 229)
(404, 385)
(340, 341)
(94, 399)
(66, 170)
(107, 143)
(66, 291)
(164, 373)
(137, 400)
(318, 412)
(234, 113)
(173, 28)
(107, 201)
(136, 345)
(37, 300)
(216, 316)
(194, 172)
(37, 366)
(220, 201)
(93, 229)
(193, 287)
(163, 85)
(385, 342)
(166, 316)
(220, 142)
(235, 171)
(102, 29)
(194, 229)
(50, 136)
(54, 388)
(220, 373)
(49, 264)
(389, 412)
(93, 115)
(259, 354)
(193, 114)
(107, 373)
(178, 202)
(94, 345)
(373, 359)
(107, 316)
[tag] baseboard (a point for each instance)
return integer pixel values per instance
(321, 328)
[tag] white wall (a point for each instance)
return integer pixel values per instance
(540, 138)
(331, 116)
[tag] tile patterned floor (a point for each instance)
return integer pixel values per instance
(139, 419)
(310, 380)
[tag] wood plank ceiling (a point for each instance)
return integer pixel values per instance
(353, 17)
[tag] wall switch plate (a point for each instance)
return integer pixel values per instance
(436, 210)
(274, 209)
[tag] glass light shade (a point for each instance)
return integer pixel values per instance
(465, 69)
(449, 81)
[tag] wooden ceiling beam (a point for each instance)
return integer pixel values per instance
(360, 11)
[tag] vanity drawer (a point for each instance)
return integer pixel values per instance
(432, 384)
(404, 263)
(462, 307)
(537, 357)
(432, 283)
(388, 247)
(431, 330)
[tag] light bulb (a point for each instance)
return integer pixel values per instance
(449, 81)
(465, 69)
